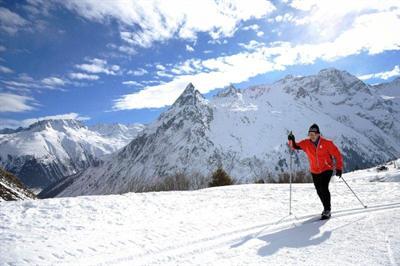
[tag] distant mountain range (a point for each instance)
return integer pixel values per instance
(50, 150)
(245, 132)
(390, 90)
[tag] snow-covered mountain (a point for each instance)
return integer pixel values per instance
(49, 150)
(390, 90)
(118, 134)
(11, 188)
(245, 132)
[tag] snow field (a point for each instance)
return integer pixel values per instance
(235, 225)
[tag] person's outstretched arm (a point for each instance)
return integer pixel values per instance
(292, 142)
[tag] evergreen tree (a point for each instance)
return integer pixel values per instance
(220, 178)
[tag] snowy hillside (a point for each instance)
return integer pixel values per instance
(118, 134)
(245, 131)
(11, 188)
(234, 225)
(390, 90)
(49, 150)
(389, 172)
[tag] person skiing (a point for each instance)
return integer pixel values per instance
(320, 151)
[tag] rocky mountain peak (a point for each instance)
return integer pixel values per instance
(57, 124)
(228, 91)
(190, 96)
(337, 76)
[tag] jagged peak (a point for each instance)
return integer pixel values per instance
(189, 96)
(333, 71)
(227, 91)
(55, 123)
(288, 77)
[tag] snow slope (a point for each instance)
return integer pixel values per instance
(392, 174)
(235, 225)
(119, 135)
(390, 90)
(49, 150)
(245, 132)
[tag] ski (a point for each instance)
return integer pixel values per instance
(325, 217)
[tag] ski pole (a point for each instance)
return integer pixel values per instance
(290, 178)
(365, 206)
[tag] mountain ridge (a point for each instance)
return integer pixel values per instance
(245, 132)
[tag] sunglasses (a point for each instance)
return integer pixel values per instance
(312, 134)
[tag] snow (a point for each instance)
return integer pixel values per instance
(392, 174)
(391, 90)
(65, 143)
(234, 225)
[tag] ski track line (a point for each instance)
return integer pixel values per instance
(231, 236)
(386, 239)
(390, 251)
(174, 253)
(265, 227)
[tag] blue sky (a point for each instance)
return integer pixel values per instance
(127, 61)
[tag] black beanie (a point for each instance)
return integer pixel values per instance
(314, 128)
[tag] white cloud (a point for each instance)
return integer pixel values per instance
(53, 82)
(151, 82)
(132, 83)
(164, 74)
(382, 75)
(2, 48)
(217, 41)
(260, 33)
(160, 67)
(82, 76)
(225, 70)
(284, 18)
(252, 45)
(325, 20)
(254, 27)
(96, 65)
(16, 103)
(138, 72)
(123, 49)
(366, 34)
(189, 48)
(163, 20)
(127, 50)
(11, 22)
(25, 82)
(188, 67)
(6, 70)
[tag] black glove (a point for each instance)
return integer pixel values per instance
(291, 137)
(339, 173)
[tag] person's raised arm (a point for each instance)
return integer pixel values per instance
(292, 142)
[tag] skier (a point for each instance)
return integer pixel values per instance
(320, 151)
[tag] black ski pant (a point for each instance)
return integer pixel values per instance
(321, 183)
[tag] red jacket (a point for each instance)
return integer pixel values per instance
(320, 159)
